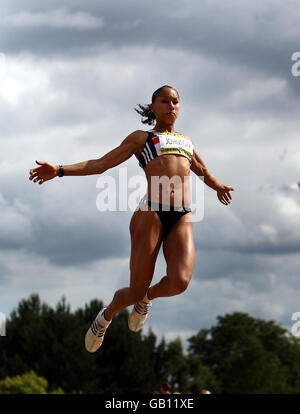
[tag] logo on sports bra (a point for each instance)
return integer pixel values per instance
(180, 142)
(176, 144)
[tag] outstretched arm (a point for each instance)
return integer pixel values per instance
(113, 158)
(199, 168)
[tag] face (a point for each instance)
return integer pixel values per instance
(166, 106)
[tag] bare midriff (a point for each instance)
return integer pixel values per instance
(168, 178)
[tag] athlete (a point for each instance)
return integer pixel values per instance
(161, 152)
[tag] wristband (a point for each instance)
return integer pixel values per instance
(61, 171)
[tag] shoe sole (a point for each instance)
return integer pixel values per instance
(93, 339)
(135, 326)
(89, 344)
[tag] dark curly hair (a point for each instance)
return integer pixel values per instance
(145, 109)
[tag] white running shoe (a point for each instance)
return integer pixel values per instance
(95, 334)
(138, 315)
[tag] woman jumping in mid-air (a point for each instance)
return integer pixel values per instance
(161, 152)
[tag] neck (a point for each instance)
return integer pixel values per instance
(164, 128)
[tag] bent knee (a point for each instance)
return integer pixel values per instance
(181, 283)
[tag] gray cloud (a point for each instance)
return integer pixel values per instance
(249, 37)
(74, 73)
(5, 273)
(56, 19)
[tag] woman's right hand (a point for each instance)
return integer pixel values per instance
(44, 173)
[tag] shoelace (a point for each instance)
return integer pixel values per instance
(97, 331)
(142, 308)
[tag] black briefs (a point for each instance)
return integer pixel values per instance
(168, 215)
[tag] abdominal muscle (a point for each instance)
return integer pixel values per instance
(168, 180)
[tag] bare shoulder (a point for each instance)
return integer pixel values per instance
(137, 140)
(139, 135)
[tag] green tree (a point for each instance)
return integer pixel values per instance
(200, 376)
(238, 355)
(159, 365)
(51, 342)
(249, 355)
(29, 383)
(176, 366)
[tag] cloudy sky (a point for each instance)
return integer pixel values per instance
(71, 74)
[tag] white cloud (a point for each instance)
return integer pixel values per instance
(24, 76)
(258, 90)
(269, 231)
(289, 208)
(15, 226)
(58, 19)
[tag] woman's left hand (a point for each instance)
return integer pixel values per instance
(224, 194)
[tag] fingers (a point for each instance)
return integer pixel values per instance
(41, 180)
(227, 193)
(224, 194)
(224, 199)
(34, 171)
(33, 176)
(221, 200)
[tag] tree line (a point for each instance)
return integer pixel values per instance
(240, 354)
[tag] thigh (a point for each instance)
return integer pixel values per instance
(146, 239)
(179, 248)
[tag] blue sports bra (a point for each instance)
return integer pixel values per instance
(160, 143)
